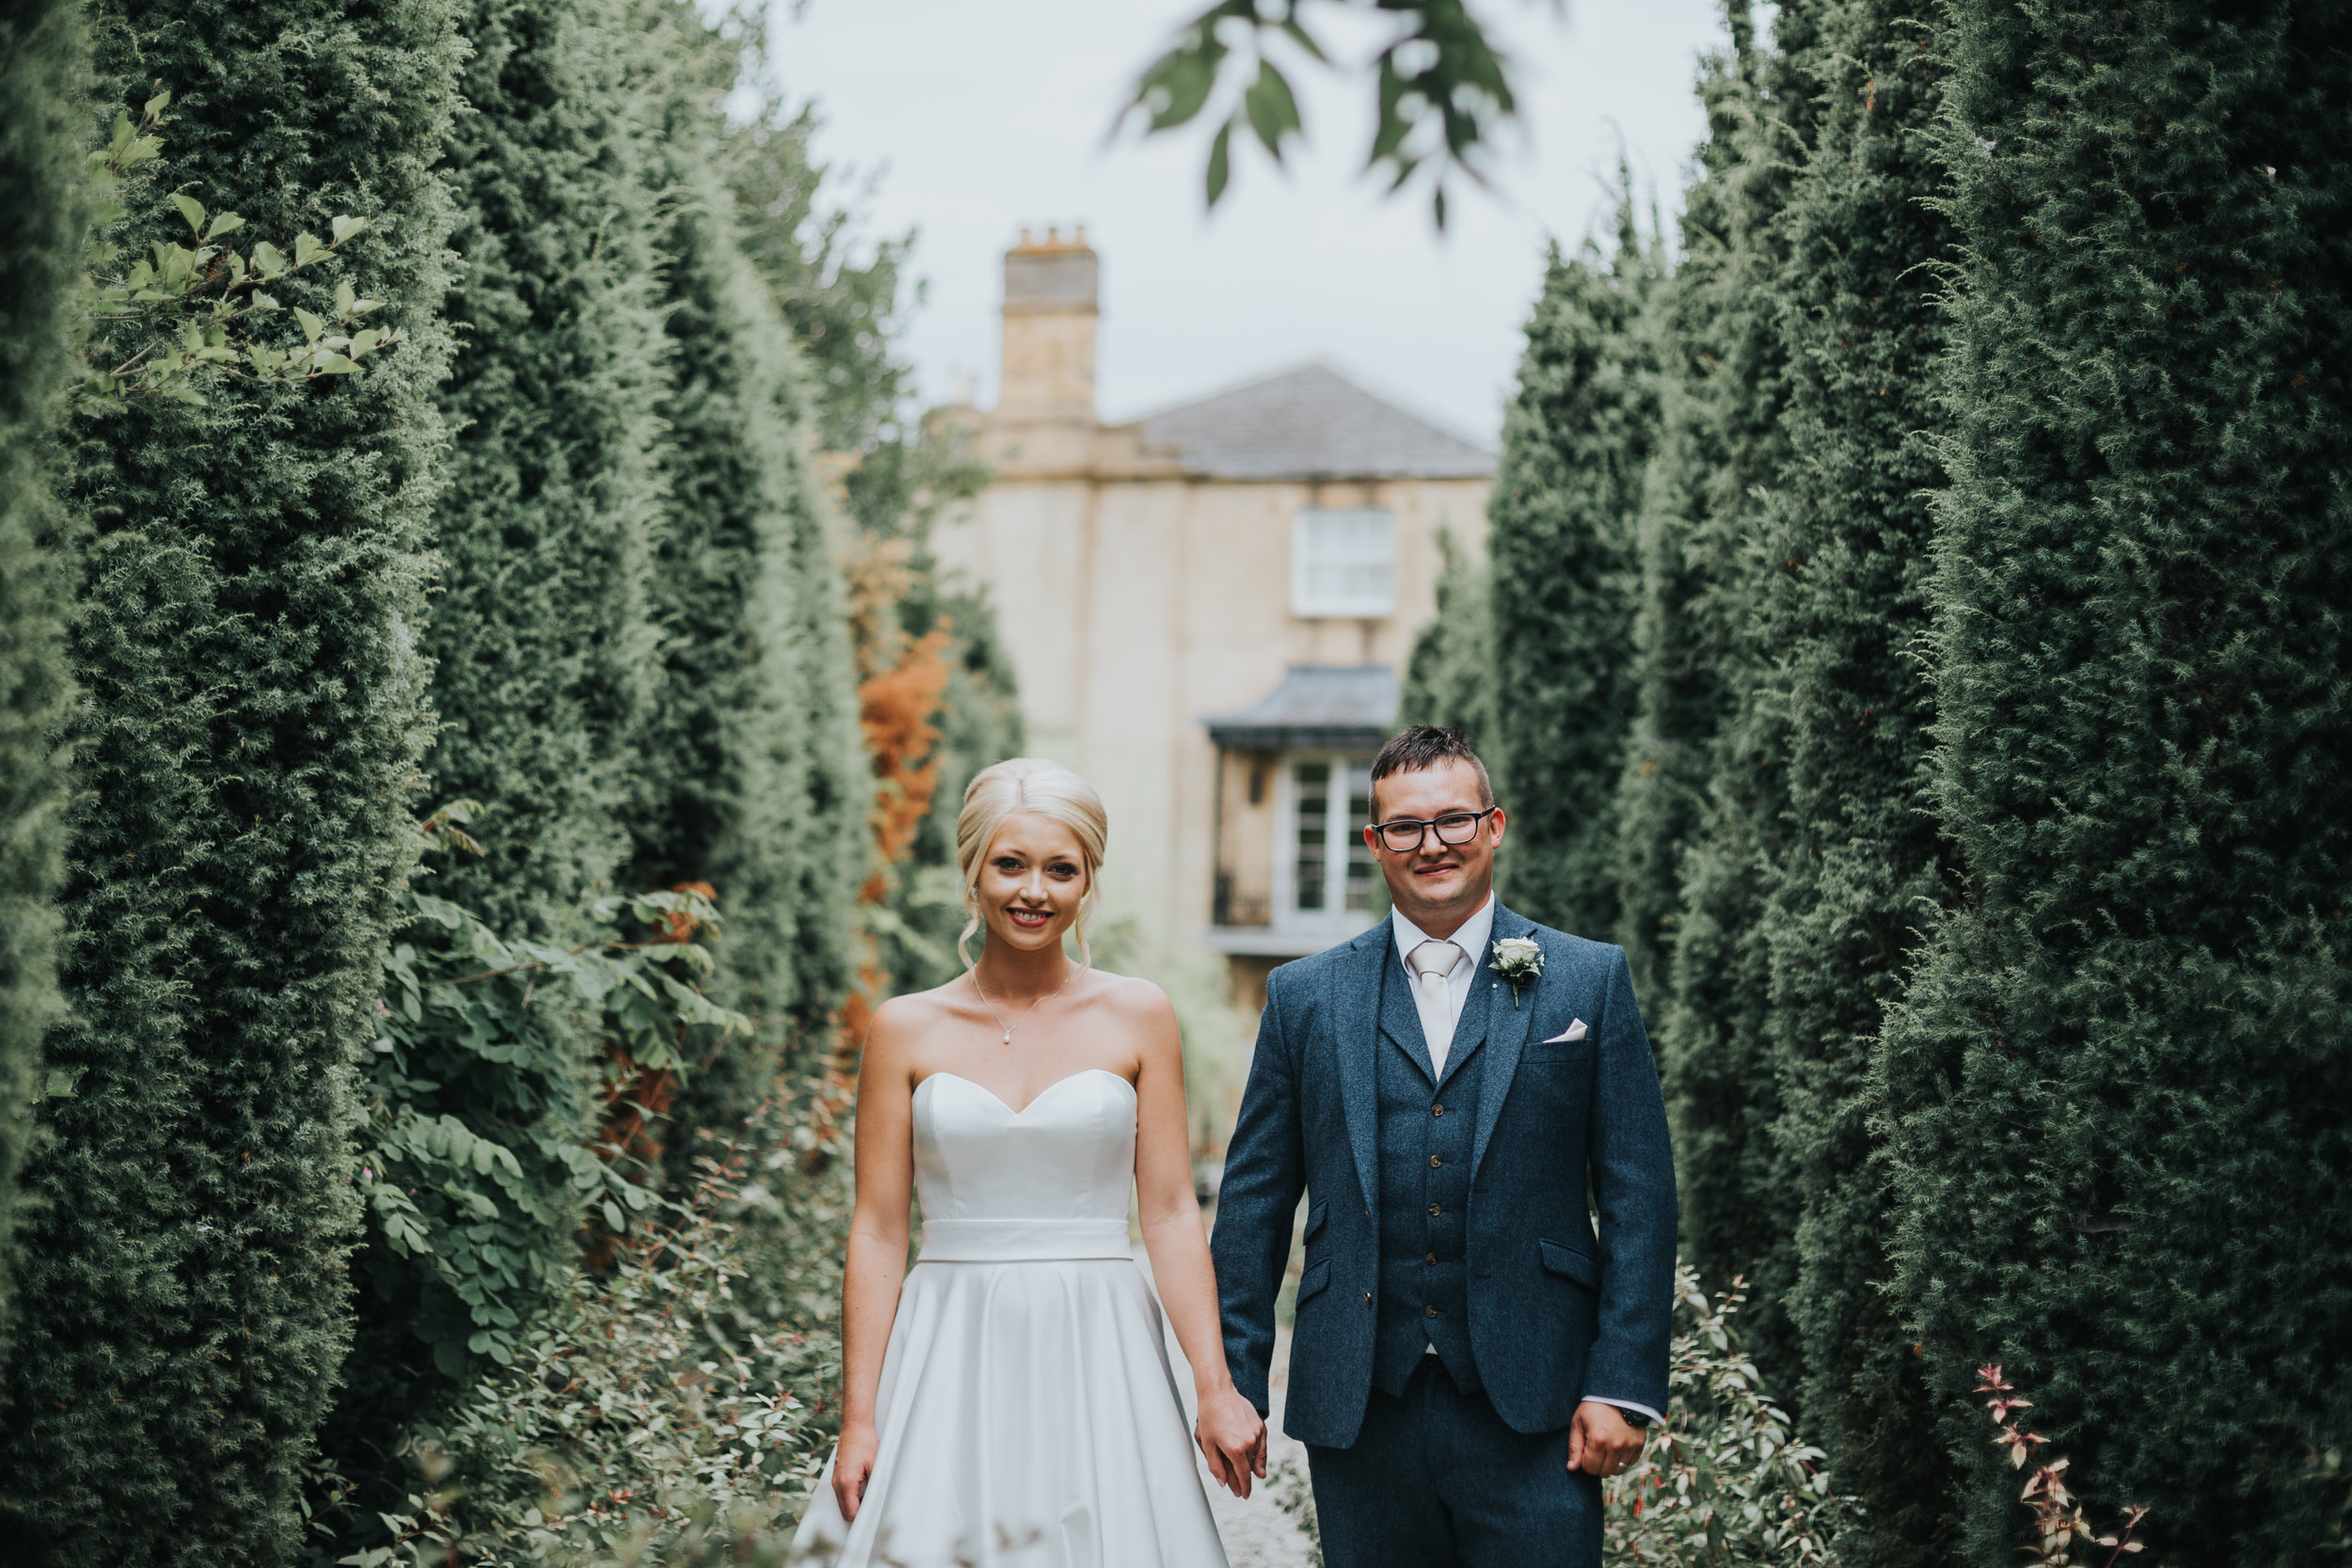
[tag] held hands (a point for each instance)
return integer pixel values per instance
(1601, 1442)
(1232, 1435)
(852, 1467)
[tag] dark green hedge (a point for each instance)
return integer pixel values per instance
(2119, 1081)
(250, 720)
(540, 631)
(1716, 439)
(1708, 777)
(753, 774)
(43, 60)
(1577, 438)
(1862, 868)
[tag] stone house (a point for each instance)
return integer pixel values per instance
(1208, 609)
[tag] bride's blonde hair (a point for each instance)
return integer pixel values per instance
(1055, 793)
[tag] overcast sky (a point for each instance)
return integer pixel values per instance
(976, 117)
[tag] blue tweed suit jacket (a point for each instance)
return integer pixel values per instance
(1567, 1130)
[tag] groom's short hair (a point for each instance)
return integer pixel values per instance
(1424, 746)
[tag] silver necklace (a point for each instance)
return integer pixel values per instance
(1033, 1007)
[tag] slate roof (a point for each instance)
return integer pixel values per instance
(1310, 422)
(1341, 706)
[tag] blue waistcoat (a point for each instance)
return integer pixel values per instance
(1425, 1140)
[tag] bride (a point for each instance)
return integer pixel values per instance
(1022, 1409)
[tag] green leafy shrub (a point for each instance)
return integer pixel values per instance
(476, 1163)
(481, 1097)
(1724, 1480)
(675, 1408)
(1450, 677)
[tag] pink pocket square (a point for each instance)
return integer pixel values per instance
(1573, 1032)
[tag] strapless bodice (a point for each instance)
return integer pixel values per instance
(1050, 1180)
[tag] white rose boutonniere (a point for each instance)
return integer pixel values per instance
(1518, 960)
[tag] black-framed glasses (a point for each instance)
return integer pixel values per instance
(1403, 835)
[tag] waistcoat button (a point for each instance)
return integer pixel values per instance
(1367, 1298)
(1429, 1311)
(1429, 1258)
(1433, 1207)
(1434, 1162)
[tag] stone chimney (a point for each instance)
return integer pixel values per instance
(1049, 330)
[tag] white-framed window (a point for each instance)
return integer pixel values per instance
(1343, 562)
(1329, 869)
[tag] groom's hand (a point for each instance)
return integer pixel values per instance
(1601, 1442)
(1232, 1435)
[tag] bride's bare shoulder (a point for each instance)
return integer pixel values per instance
(915, 1010)
(1129, 997)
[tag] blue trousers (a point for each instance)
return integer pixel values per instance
(1435, 1480)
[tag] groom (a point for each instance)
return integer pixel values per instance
(1459, 1092)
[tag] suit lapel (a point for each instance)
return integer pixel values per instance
(1507, 1036)
(1355, 1011)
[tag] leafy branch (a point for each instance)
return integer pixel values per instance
(478, 1157)
(2061, 1528)
(182, 310)
(1723, 1478)
(1441, 89)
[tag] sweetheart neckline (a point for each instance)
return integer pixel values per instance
(1033, 1099)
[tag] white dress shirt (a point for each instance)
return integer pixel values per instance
(1471, 939)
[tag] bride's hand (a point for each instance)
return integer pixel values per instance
(852, 1467)
(1231, 1435)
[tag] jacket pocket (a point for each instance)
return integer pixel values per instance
(1315, 1216)
(1310, 1284)
(1567, 1261)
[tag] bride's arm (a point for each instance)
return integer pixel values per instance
(1231, 1433)
(878, 1245)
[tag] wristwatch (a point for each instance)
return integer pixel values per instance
(1638, 1421)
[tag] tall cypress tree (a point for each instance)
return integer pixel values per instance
(1717, 782)
(756, 779)
(540, 631)
(1450, 676)
(1576, 437)
(1846, 603)
(43, 57)
(2119, 1081)
(1714, 440)
(251, 723)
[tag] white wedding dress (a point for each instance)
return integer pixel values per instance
(1027, 1414)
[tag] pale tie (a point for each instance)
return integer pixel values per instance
(1433, 998)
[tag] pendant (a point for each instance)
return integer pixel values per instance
(1008, 1036)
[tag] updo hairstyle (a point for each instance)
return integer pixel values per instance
(1055, 793)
